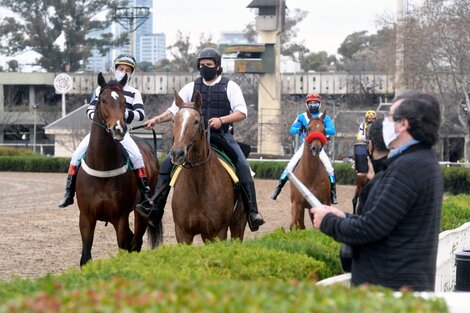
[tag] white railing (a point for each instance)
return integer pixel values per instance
(450, 242)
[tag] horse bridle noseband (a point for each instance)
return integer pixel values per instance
(188, 164)
(103, 123)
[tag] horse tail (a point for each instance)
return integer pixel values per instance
(155, 234)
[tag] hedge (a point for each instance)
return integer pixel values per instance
(456, 179)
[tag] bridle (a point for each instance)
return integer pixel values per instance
(188, 164)
(102, 123)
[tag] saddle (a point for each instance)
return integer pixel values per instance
(225, 154)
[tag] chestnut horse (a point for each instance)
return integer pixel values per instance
(311, 172)
(106, 188)
(204, 201)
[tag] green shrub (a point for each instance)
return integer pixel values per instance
(120, 294)
(33, 164)
(14, 151)
(455, 211)
(456, 180)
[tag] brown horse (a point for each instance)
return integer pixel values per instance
(204, 199)
(106, 189)
(311, 172)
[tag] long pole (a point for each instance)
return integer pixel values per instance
(34, 130)
(131, 35)
(63, 104)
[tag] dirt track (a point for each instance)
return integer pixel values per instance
(37, 237)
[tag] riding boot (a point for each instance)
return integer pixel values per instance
(333, 189)
(69, 187)
(280, 184)
(155, 213)
(255, 220)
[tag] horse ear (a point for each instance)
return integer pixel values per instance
(101, 80)
(123, 81)
(178, 101)
(197, 100)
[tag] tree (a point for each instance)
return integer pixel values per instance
(145, 66)
(318, 61)
(442, 63)
(40, 25)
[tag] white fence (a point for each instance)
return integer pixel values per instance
(450, 242)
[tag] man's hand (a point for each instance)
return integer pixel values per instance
(319, 214)
(215, 122)
(150, 124)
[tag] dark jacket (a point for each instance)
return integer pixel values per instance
(396, 235)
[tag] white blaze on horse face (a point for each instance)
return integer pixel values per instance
(119, 127)
(186, 115)
(115, 95)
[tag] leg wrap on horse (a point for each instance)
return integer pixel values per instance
(334, 200)
(69, 187)
(255, 220)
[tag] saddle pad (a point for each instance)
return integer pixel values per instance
(230, 170)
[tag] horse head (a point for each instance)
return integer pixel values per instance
(188, 129)
(316, 138)
(111, 108)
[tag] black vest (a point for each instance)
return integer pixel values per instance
(215, 102)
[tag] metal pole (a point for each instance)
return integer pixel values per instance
(63, 104)
(131, 35)
(34, 128)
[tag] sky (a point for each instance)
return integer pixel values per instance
(324, 29)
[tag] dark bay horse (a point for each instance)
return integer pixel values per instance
(311, 172)
(106, 189)
(204, 199)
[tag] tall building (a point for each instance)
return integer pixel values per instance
(152, 47)
(148, 46)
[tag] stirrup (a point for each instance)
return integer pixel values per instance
(255, 220)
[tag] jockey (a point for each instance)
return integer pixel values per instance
(223, 105)
(300, 126)
(122, 65)
(370, 117)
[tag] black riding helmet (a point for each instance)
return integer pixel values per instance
(211, 54)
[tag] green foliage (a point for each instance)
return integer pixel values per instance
(309, 242)
(261, 275)
(40, 23)
(268, 169)
(33, 164)
(119, 294)
(455, 211)
(456, 180)
(345, 174)
(14, 151)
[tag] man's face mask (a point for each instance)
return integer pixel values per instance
(208, 73)
(388, 132)
(314, 108)
(119, 75)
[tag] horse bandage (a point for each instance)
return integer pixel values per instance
(316, 135)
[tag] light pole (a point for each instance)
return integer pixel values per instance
(131, 18)
(35, 108)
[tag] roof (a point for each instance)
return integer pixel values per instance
(263, 3)
(74, 121)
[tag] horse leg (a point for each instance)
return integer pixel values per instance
(294, 211)
(238, 223)
(123, 233)
(87, 232)
(301, 217)
(140, 226)
(182, 236)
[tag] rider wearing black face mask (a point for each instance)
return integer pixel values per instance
(223, 105)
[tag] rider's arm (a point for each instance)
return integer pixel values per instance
(329, 126)
(135, 112)
(296, 126)
(90, 111)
